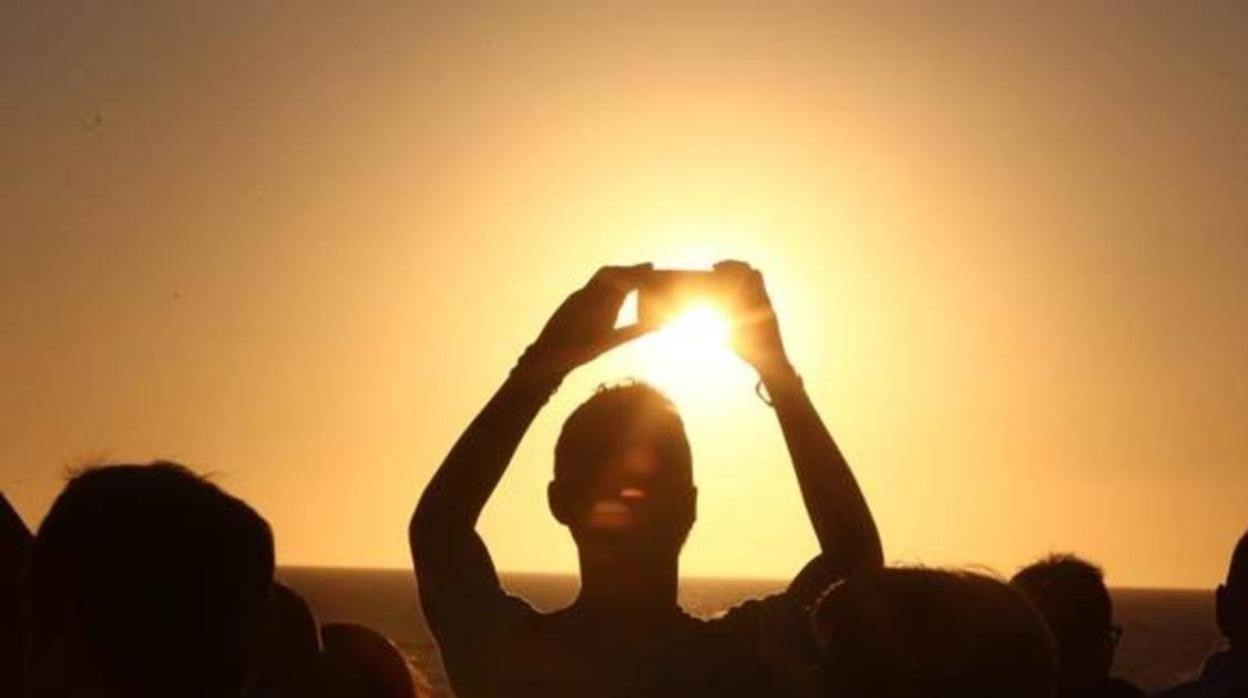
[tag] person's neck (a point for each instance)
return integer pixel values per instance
(627, 584)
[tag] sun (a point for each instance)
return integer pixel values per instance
(698, 329)
(690, 358)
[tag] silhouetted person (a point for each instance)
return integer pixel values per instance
(1071, 595)
(361, 663)
(290, 658)
(15, 542)
(923, 633)
(624, 487)
(148, 581)
(1226, 674)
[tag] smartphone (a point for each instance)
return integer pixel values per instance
(664, 294)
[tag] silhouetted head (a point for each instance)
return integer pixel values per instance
(362, 663)
(623, 472)
(1071, 595)
(14, 549)
(922, 633)
(148, 581)
(291, 655)
(1232, 598)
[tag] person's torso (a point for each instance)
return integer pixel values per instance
(562, 654)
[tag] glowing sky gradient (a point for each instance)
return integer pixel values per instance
(299, 246)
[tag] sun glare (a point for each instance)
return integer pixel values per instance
(697, 330)
(690, 355)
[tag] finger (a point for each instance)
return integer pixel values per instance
(758, 314)
(732, 266)
(743, 281)
(756, 282)
(622, 335)
(637, 268)
(743, 285)
(617, 282)
(630, 272)
(740, 270)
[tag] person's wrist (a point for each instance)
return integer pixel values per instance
(778, 374)
(539, 368)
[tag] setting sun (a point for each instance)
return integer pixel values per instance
(691, 354)
(697, 330)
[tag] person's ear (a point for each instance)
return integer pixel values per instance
(687, 508)
(557, 498)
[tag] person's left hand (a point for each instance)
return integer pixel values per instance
(756, 331)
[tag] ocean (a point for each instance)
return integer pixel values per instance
(1167, 633)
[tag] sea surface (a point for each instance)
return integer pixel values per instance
(1167, 633)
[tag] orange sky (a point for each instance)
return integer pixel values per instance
(300, 247)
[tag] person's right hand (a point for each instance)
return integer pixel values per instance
(584, 325)
(756, 331)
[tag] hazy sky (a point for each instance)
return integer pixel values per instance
(299, 245)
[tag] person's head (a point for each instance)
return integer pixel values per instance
(147, 580)
(14, 550)
(1071, 595)
(1232, 598)
(624, 473)
(924, 633)
(291, 652)
(362, 663)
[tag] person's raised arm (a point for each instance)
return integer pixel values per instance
(848, 539)
(451, 561)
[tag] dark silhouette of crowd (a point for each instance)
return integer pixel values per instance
(146, 581)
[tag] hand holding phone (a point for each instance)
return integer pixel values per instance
(733, 287)
(755, 329)
(583, 326)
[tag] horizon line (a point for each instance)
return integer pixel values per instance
(699, 577)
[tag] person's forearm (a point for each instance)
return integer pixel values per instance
(838, 511)
(456, 495)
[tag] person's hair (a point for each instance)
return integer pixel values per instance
(153, 579)
(362, 663)
(918, 633)
(14, 550)
(1232, 597)
(291, 653)
(1071, 595)
(614, 418)
(1237, 575)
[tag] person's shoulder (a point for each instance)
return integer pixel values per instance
(468, 617)
(759, 641)
(488, 644)
(755, 609)
(787, 607)
(760, 620)
(794, 601)
(507, 609)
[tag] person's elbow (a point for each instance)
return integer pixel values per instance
(425, 532)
